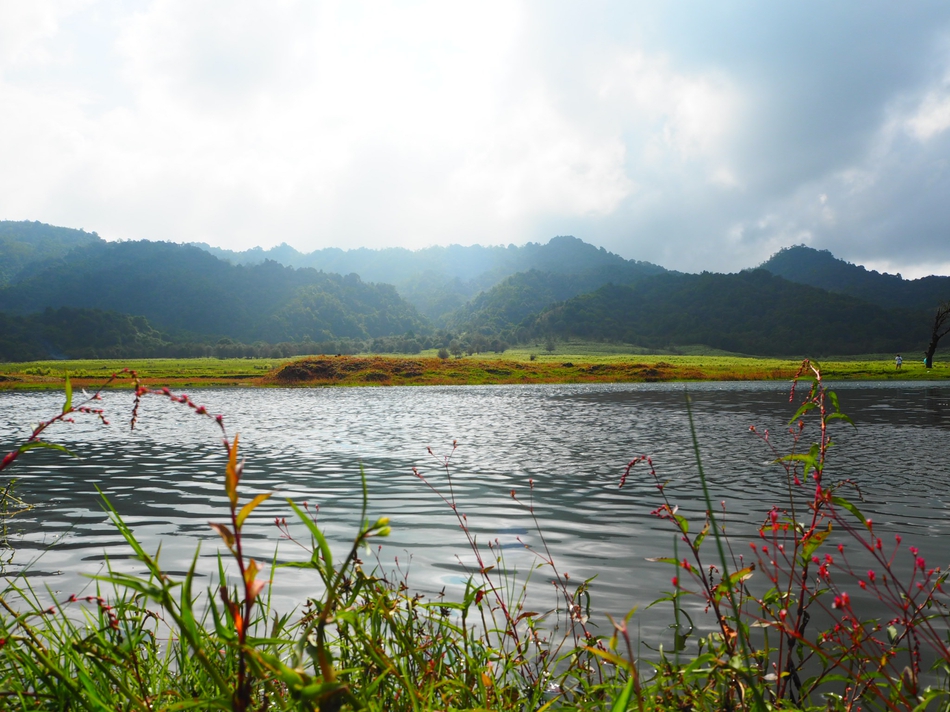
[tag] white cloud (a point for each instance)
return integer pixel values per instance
(932, 116)
(696, 141)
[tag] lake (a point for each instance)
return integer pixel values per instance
(573, 441)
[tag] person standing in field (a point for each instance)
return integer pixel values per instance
(898, 362)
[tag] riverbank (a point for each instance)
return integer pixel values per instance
(511, 368)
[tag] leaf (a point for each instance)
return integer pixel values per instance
(731, 580)
(814, 540)
(319, 689)
(741, 574)
(316, 533)
(622, 702)
(253, 587)
(41, 443)
(187, 611)
(842, 502)
(702, 535)
(250, 573)
(810, 458)
(225, 534)
(235, 610)
(68, 405)
(833, 397)
(840, 416)
(250, 507)
(231, 474)
(805, 407)
(610, 657)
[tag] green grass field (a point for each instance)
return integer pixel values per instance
(568, 363)
(164, 371)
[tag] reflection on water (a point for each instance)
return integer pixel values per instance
(573, 441)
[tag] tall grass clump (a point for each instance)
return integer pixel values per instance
(780, 622)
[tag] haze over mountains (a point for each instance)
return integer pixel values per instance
(66, 292)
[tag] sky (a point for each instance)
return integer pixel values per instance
(699, 136)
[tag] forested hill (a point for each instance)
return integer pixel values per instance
(25, 245)
(564, 255)
(753, 312)
(155, 297)
(506, 305)
(438, 280)
(76, 333)
(819, 268)
(188, 292)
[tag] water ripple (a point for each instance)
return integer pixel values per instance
(571, 441)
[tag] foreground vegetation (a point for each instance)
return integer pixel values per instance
(564, 363)
(784, 629)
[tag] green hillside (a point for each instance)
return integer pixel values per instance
(506, 305)
(819, 268)
(24, 245)
(189, 293)
(76, 333)
(752, 312)
(438, 280)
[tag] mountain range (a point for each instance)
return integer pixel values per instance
(160, 298)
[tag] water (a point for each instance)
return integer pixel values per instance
(573, 441)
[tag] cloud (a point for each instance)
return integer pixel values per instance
(700, 137)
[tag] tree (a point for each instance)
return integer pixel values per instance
(941, 329)
(443, 353)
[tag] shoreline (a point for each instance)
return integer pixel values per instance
(401, 370)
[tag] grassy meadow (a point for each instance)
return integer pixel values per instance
(568, 363)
